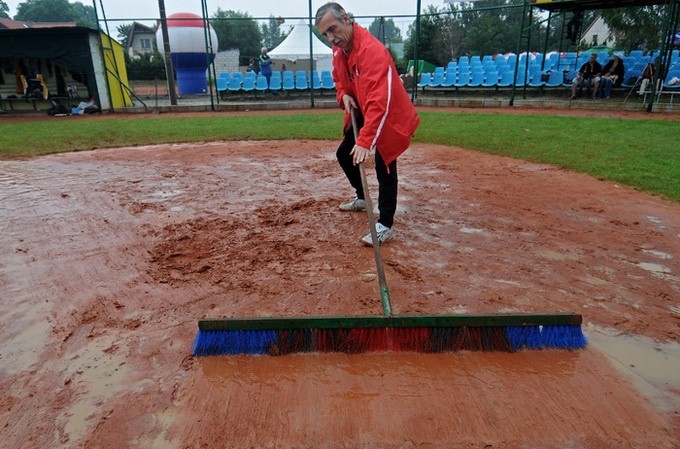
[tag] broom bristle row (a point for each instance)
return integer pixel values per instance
(420, 339)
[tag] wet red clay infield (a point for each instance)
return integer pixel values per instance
(110, 257)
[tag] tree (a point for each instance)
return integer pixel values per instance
(491, 31)
(237, 29)
(466, 29)
(392, 32)
(46, 11)
(56, 11)
(429, 24)
(271, 32)
(146, 66)
(636, 28)
(4, 9)
(124, 31)
(87, 16)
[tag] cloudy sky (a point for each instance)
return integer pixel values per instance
(123, 9)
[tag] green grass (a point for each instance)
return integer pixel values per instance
(644, 154)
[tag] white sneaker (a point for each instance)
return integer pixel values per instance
(355, 205)
(384, 234)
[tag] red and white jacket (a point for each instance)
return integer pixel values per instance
(369, 75)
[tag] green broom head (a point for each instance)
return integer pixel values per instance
(416, 333)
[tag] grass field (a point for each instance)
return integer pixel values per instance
(644, 154)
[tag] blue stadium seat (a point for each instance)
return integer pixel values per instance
(603, 57)
(301, 80)
(288, 81)
(261, 83)
(425, 80)
(491, 78)
(477, 78)
(222, 84)
(673, 73)
(437, 77)
(450, 79)
(637, 54)
(316, 81)
(237, 75)
(453, 65)
(275, 81)
(235, 83)
(248, 82)
(535, 75)
(224, 75)
(506, 78)
(556, 78)
(463, 79)
(521, 80)
(629, 62)
(463, 60)
(327, 80)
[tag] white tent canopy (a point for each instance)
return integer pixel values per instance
(296, 46)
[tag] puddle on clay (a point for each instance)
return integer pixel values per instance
(651, 366)
(99, 373)
(20, 352)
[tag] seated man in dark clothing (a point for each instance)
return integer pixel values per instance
(588, 77)
(612, 75)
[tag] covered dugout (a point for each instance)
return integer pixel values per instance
(670, 24)
(74, 64)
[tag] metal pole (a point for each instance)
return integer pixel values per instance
(547, 36)
(564, 22)
(519, 47)
(528, 59)
(381, 30)
(415, 56)
(667, 39)
(208, 50)
(311, 56)
(169, 69)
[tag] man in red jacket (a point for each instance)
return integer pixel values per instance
(366, 79)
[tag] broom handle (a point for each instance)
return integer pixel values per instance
(384, 292)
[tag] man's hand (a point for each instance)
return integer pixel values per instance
(349, 102)
(359, 154)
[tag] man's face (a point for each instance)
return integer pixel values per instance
(593, 57)
(337, 32)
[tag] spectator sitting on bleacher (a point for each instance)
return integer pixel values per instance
(588, 77)
(612, 75)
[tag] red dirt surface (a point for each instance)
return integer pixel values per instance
(110, 257)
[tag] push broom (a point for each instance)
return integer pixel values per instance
(389, 332)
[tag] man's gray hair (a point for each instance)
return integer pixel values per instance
(332, 7)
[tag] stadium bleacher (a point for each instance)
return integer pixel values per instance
(490, 72)
(553, 70)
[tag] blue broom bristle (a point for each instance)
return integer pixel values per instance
(563, 337)
(234, 342)
(524, 337)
